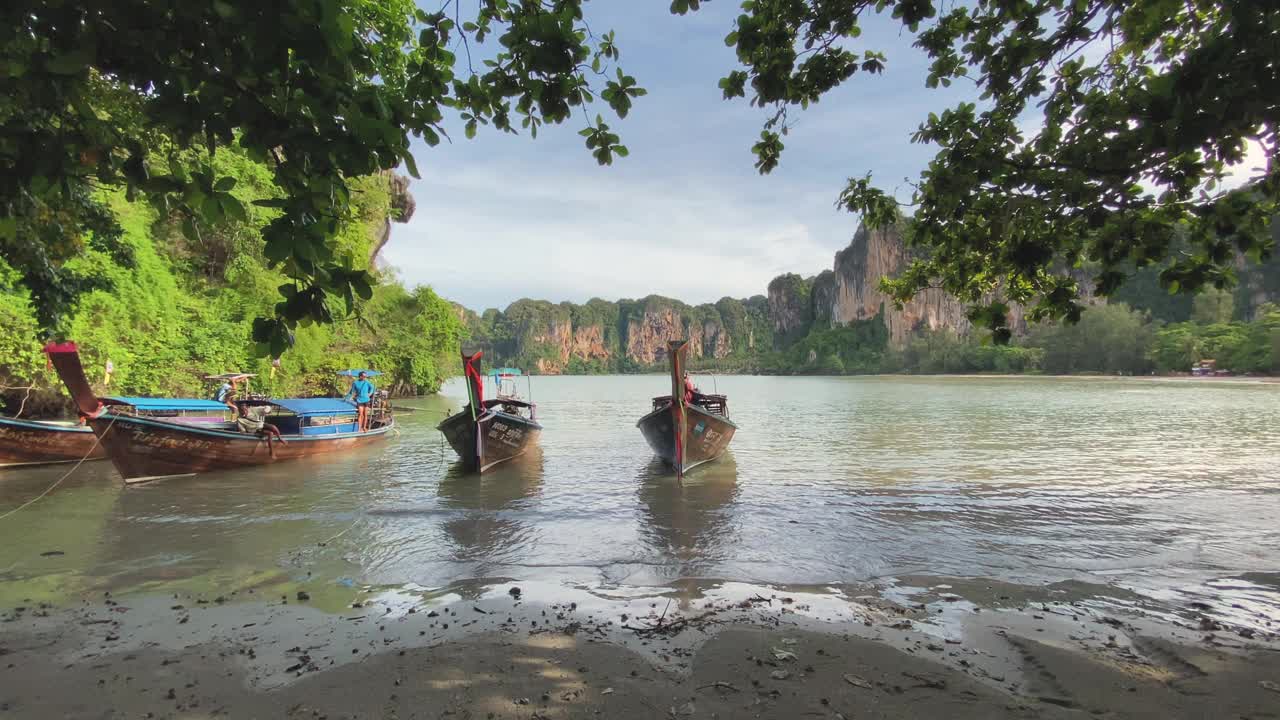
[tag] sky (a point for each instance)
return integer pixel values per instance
(686, 215)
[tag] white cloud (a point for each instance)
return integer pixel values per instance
(486, 236)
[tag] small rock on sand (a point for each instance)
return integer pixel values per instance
(856, 681)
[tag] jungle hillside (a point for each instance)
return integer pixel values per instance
(180, 303)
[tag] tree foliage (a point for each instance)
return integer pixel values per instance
(1242, 347)
(119, 92)
(1136, 109)
(180, 309)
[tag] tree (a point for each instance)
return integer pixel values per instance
(1138, 108)
(1107, 339)
(113, 93)
(1213, 306)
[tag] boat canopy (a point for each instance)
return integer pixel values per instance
(356, 373)
(230, 376)
(160, 404)
(505, 372)
(308, 407)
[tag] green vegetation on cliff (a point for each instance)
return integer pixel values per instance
(182, 308)
(623, 336)
(1109, 339)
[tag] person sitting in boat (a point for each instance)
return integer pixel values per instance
(362, 393)
(690, 390)
(254, 420)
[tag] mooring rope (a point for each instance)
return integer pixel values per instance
(58, 482)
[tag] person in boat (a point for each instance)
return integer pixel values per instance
(226, 393)
(690, 390)
(361, 393)
(254, 420)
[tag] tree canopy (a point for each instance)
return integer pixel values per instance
(111, 93)
(1100, 133)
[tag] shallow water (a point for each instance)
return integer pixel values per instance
(1166, 487)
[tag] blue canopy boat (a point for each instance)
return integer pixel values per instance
(152, 438)
(38, 442)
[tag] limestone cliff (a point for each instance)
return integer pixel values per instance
(850, 291)
(647, 338)
(627, 335)
(790, 307)
(566, 343)
(402, 207)
(854, 292)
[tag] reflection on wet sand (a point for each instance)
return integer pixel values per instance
(689, 525)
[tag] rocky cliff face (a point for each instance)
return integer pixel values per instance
(647, 339)
(851, 291)
(626, 335)
(402, 207)
(854, 292)
(566, 343)
(790, 307)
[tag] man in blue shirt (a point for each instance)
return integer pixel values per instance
(362, 393)
(226, 394)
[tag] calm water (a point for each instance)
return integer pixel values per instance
(1148, 484)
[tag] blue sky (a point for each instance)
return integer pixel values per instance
(502, 217)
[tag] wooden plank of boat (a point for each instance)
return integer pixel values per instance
(487, 433)
(38, 442)
(146, 448)
(685, 435)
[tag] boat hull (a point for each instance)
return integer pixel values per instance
(30, 442)
(143, 449)
(707, 435)
(500, 437)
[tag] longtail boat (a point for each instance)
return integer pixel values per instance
(488, 432)
(179, 436)
(37, 442)
(687, 428)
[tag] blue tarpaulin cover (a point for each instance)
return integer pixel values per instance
(505, 371)
(316, 406)
(356, 373)
(145, 403)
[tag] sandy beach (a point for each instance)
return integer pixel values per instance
(957, 648)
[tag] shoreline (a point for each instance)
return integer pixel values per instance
(1175, 377)
(923, 647)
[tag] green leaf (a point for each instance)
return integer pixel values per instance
(360, 283)
(225, 184)
(232, 207)
(411, 165)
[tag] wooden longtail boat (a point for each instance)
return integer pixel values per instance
(488, 432)
(200, 435)
(687, 431)
(33, 442)
(36, 442)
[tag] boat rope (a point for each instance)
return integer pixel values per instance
(66, 475)
(25, 398)
(322, 543)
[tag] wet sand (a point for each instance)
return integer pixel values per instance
(928, 648)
